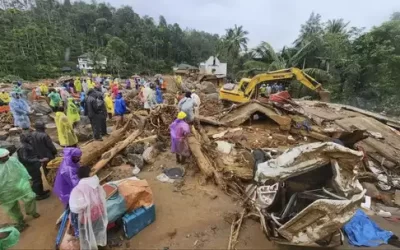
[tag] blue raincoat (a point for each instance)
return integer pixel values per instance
(20, 111)
(119, 105)
(159, 97)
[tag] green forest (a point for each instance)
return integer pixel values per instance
(38, 39)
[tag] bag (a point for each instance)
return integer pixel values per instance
(137, 193)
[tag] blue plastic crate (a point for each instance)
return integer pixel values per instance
(137, 220)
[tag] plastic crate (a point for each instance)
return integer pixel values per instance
(137, 220)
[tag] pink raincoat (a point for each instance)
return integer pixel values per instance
(179, 130)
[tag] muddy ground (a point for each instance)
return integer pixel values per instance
(188, 216)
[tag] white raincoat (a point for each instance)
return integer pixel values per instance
(88, 200)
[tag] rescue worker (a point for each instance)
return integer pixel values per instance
(119, 110)
(85, 86)
(15, 187)
(28, 157)
(269, 90)
(67, 174)
(179, 131)
(263, 89)
(55, 99)
(88, 202)
(149, 97)
(96, 111)
(115, 90)
(197, 101)
(65, 131)
(187, 105)
(20, 111)
(72, 112)
(90, 84)
(43, 144)
(159, 95)
(5, 97)
(178, 80)
(109, 105)
(78, 85)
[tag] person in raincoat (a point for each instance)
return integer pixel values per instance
(85, 86)
(88, 202)
(73, 112)
(64, 97)
(67, 174)
(149, 97)
(20, 111)
(109, 105)
(15, 187)
(197, 102)
(5, 97)
(65, 131)
(159, 95)
(43, 144)
(119, 110)
(17, 88)
(179, 131)
(55, 99)
(28, 157)
(90, 83)
(115, 90)
(187, 105)
(78, 85)
(96, 111)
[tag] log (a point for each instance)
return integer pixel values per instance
(107, 156)
(202, 161)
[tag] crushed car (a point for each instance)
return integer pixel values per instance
(305, 195)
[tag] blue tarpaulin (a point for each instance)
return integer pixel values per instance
(362, 231)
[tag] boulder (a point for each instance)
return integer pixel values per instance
(150, 154)
(14, 140)
(208, 88)
(7, 127)
(45, 119)
(84, 121)
(118, 160)
(137, 148)
(188, 86)
(211, 97)
(135, 160)
(3, 135)
(9, 146)
(41, 107)
(84, 133)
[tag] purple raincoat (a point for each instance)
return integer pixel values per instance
(67, 175)
(179, 129)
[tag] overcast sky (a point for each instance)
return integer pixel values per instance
(275, 21)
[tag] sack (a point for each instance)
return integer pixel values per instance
(137, 193)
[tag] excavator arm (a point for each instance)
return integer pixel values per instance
(284, 74)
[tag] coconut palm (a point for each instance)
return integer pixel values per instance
(235, 40)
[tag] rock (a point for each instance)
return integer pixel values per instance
(135, 160)
(137, 148)
(7, 127)
(41, 107)
(84, 121)
(208, 87)
(397, 197)
(150, 154)
(3, 135)
(372, 191)
(14, 140)
(9, 146)
(118, 160)
(198, 86)
(211, 97)
(131, 94)
(45, 119)
(188, 86)
(224, 147)
(84, 133)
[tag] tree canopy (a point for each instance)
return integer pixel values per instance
(39, 38)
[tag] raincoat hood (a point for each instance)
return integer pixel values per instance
(69, 152)
(119, 95)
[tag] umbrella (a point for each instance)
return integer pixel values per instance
(158, 75)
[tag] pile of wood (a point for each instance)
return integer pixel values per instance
(6, 119)
(160, 118)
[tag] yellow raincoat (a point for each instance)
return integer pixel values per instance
(72, 111)
(5, 97)
(78, 85)
(65, 132)
(109, 103)
(90, 84)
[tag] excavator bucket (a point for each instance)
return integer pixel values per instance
(324, 95)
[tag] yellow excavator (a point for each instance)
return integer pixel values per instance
(248, 88)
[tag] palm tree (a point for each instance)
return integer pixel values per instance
(235, 40)
(336, 26)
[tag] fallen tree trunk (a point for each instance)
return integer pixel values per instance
(202, 161)
(107, 156)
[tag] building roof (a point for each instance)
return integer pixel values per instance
(184, 66)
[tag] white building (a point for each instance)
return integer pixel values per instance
(85, 63)
(213, 67)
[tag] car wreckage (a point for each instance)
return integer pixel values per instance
(306, 194)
